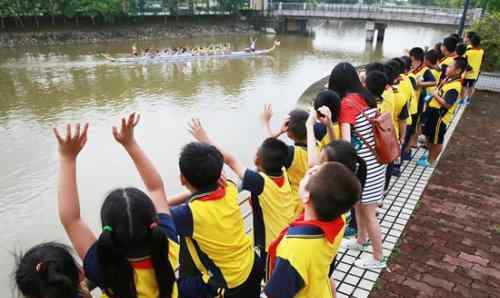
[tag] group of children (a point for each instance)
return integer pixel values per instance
(304, 197)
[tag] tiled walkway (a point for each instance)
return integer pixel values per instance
(403, 197)
(400, 202)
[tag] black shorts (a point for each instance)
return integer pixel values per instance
(434, 129)
(412, 128)
(469, 83)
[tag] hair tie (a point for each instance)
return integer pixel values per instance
(153, 225)
(39, 267)
(107, 229)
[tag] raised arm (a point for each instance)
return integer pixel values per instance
(150, 176)
(199, 133)
(265, 119)
(68, 201)
(312, 152)
(326, 119)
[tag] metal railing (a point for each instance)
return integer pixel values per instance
(420, 14)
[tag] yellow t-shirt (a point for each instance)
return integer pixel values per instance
(304, 259)
(297, 166)
(211, 225)
(273, 205)
(417, 74)
(474, 59)
(407, 92)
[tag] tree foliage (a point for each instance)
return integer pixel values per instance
(487, 28)
(105, 11)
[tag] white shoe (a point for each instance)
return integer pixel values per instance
(352, 244)
(370, 263)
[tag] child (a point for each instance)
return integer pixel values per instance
(423, 78)
(448, 48)
(442, 109)
(325, 102)
(217, 257)
(328, 191)
(136, 253)
(474, 57)
(461, 49)
(378, 84)
(296, 163)
(272, 200)
(49, 270)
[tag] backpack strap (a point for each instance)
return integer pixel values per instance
(358, 107)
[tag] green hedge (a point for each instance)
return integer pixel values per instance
(489, 30)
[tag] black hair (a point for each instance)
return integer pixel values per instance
(437, 48)
(376, 82)
(375, 66)
(456, 37)
(47, 270)
(343, 152)
(330, 99)
(334, 189)
(201, 164)
(461, 62)
(461, 49)
(132, 216)
(397, 66)
(345, 79)
(431, 56)
(406, 62)
(272, 155)
(391, 73)
(475, 40)
(450, 44)
(297, 124)
(417, 53)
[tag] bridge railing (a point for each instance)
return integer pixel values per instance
(403, 13)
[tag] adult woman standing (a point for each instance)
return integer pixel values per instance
(357, 105)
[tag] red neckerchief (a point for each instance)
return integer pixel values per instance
(143, 264)
(278, 180)
(217, 194)
(329, 228)
(419, 68)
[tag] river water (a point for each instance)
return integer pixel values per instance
(45, 87)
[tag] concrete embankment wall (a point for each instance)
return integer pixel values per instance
(150, 28)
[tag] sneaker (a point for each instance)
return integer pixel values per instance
(350, 232)
(370, 263)
(424, 156)
(353, 244)
(424, 163)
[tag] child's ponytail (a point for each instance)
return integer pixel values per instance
(118, 275)
(58, 284)
(164, 272)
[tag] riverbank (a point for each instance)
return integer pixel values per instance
(450, 246)
(172, 29)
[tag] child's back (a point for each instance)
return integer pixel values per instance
(216, 254)
(296, 272)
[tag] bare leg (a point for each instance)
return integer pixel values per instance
(434, 151)
(373, 228)
(360, 221)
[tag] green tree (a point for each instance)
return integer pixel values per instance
(487, 28)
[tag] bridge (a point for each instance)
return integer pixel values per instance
(293, 17)
(408, 14)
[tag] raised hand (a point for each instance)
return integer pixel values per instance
(198, 132)
(125, 135)
(267, 114)
(311, 120)
(284, 125)
(72, 143)
(326, 115)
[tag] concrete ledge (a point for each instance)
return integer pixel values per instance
(489, 81)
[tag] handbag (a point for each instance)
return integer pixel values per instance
(387, 148)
